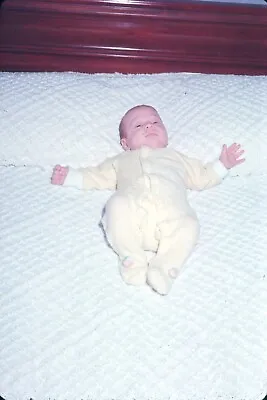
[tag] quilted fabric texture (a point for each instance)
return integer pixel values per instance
(71, 329)
(50, 118)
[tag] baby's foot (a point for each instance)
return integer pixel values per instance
(59, 175)
(133, 273)
(160, 279)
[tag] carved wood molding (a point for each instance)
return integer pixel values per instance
(132, 36)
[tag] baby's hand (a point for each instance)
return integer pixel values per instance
(59, 175)
(230, 155)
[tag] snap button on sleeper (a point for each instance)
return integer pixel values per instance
(127, 262)
(173, 273)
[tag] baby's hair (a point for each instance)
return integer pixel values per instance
(121, 127)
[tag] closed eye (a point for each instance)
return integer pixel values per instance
(138, 126)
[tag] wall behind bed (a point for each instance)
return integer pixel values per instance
(133, 36)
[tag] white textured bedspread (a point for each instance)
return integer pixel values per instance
(71, 329)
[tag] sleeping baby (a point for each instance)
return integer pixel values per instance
(149, 210)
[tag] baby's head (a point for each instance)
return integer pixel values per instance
(142, 126)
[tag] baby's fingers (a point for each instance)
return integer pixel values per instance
(239, 153)
(240, 161)
(234, 146)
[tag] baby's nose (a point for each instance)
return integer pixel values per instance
(148, 125)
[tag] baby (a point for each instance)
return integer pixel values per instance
(149, 210)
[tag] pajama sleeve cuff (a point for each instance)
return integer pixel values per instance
(74, 179)
(220, 169)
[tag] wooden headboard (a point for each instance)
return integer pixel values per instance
(133, 36)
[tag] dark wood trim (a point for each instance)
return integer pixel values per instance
(133, 36)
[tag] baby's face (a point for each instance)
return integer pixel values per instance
(143, 127)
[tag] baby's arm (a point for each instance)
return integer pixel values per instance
(67, 176)
(103, 176)
(200, 177)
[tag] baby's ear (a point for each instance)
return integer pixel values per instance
(124, 144)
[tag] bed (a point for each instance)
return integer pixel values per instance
(70, 328)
